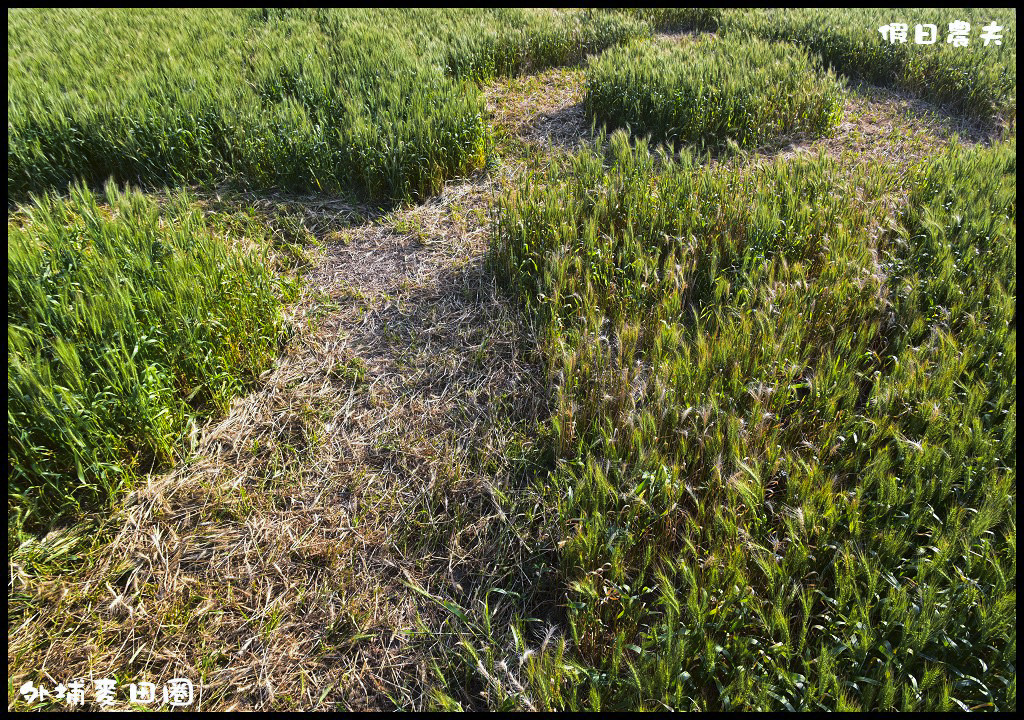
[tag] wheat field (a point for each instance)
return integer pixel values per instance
(517, 360)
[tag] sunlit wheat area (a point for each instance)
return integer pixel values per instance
(511, 359)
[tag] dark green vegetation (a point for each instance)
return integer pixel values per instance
(783, 444)
(712, 91)
(126, 323)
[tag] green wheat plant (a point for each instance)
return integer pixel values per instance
(126, 324)
(372, 102)
(781, 460)
(978, 81)
(711, 91)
